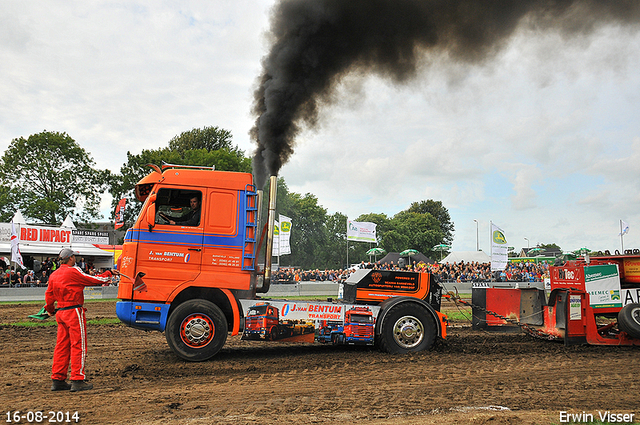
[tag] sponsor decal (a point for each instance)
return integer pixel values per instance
(376, 276)
(166, 256)
(575, 307)
(312, 311)
(499, 238)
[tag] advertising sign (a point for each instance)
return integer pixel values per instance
(602, 282)
(361, 231)
(499, 255)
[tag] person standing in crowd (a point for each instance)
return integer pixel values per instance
(29, 279)
(65, 289)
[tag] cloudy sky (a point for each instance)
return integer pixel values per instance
(543, 140)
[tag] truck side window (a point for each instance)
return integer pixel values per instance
(179, 207)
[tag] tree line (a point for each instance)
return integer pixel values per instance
(48, 176)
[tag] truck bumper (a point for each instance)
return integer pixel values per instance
(141, 315)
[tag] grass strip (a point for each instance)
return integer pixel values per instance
(46, 323)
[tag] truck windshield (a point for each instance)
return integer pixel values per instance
(257, 311)
(361, 318)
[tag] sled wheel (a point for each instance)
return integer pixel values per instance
(629, 320)
(407, 328)
(196, 330)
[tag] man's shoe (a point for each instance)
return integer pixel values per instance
(60, 385)
(80, 386)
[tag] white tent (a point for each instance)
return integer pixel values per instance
(18, 218)
(467, 257)
(68, 223)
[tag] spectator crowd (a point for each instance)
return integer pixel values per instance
(39, 277)
(456, 272)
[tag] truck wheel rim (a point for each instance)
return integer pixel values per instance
(408, 332)
(197, 330)
(635, 315)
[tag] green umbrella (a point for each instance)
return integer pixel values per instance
(441, 247)
(409, 253)
(535, 250)
(582, 251)
(376, 251)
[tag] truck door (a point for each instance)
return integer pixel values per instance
(170, 253)
(223, 240)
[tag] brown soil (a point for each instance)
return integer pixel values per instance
(471, 377)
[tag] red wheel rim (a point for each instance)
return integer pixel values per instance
(197, 330)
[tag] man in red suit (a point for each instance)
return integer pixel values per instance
(65, 288)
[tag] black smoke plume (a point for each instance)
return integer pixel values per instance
(317, 42)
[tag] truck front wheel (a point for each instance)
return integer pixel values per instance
(196, 330)
(407, 328)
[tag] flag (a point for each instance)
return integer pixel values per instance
(275, 249)
(120, 213)
(624, 228)
(285, 235)
(361, 231)
(15, 247)
(499, 256)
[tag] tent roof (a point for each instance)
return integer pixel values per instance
(467, 257)
(395, 256)
(18, 218)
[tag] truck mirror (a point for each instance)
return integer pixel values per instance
(151, 211)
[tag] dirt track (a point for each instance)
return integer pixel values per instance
(472, 377)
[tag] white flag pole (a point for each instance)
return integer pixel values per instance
(621, 238)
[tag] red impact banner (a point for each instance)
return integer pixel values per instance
(120, 213)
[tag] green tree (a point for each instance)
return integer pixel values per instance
(50, 176)
(334, 251)
(207, 138)
(550, 247)
(422, 231)
(440, 213)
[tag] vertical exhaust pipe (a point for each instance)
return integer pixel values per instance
(271, 217)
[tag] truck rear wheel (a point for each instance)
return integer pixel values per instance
(196, 330)
(407, 328)
(629, 320)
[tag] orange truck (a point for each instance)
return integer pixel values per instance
(262, 321)
(357, 328)
(190, 269)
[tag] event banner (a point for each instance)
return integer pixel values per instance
(499, 256)
(361, 231)
(282, 237)
(602, 282)
(120, 213)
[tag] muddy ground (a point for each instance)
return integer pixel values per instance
(471, 377)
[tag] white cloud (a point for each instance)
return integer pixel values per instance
(543, 139)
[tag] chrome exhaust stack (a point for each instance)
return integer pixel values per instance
(271, 218)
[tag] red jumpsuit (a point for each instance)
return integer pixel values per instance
(66, 287)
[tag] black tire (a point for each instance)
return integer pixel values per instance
(274, 333)
(629, 320)
(196, 330)
(407, 328)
